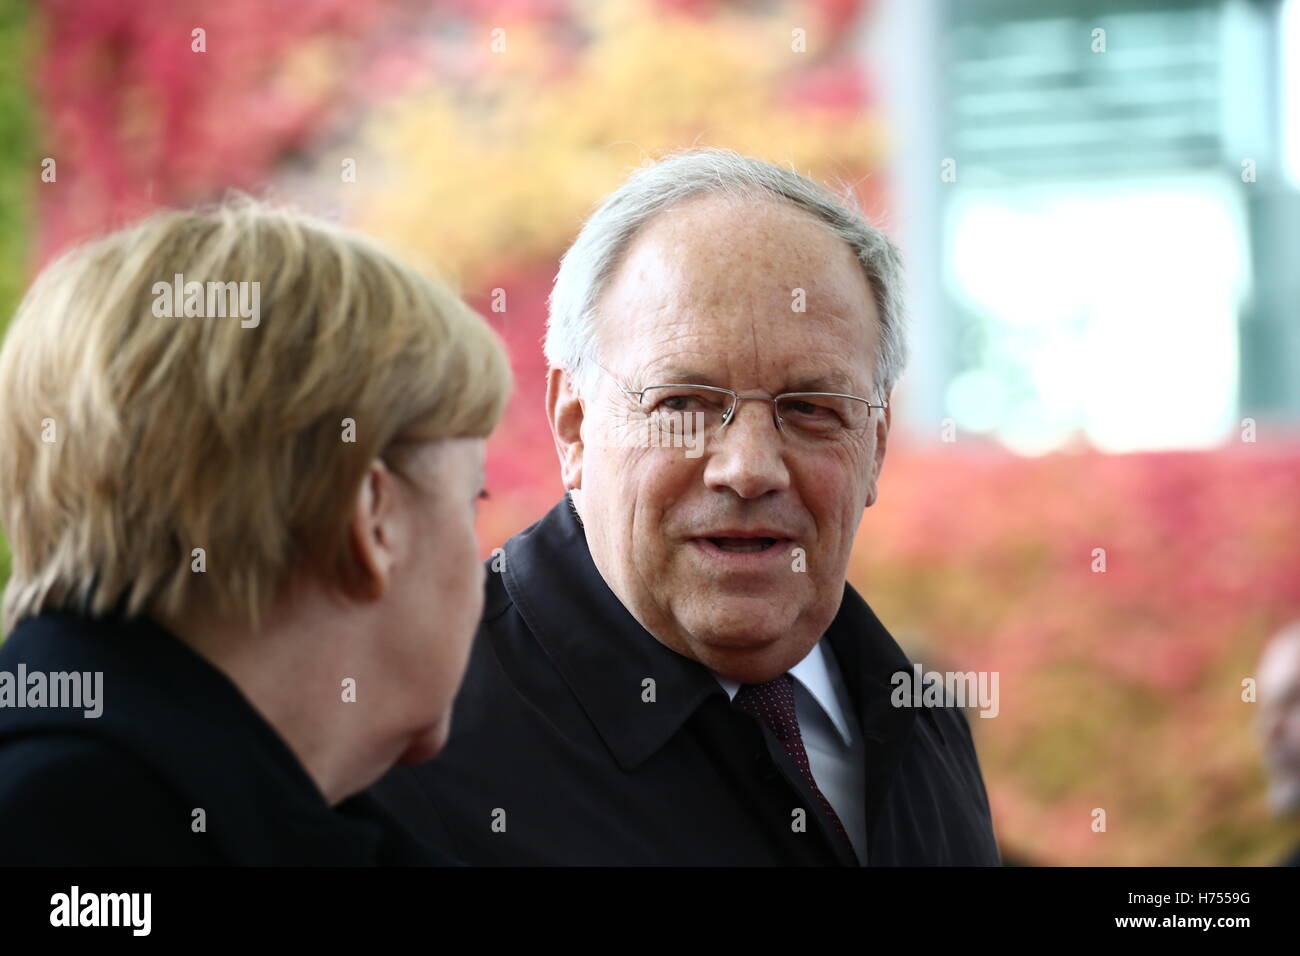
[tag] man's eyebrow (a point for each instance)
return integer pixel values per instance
(684, 375)
(822, 383)
(687, 375)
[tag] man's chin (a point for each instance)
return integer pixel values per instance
(737, 619)
(751, 654)
(756, 666)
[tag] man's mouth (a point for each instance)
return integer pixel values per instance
(743, 545)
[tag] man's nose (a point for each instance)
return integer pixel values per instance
(747, 455)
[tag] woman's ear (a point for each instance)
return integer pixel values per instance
(372, 531)
(565, 410)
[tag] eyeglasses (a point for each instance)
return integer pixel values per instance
(816, 417)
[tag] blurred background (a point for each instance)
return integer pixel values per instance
(1099, 202)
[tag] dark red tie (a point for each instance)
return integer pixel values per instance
(773, 704)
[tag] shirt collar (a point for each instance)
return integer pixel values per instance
(813, 672)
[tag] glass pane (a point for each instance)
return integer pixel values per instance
(821, 414)
(684, 409)
(685, 398)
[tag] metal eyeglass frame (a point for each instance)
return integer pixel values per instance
(737, 398)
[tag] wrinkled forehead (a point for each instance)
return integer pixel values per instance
(753, 288)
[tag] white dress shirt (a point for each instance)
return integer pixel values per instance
(831, 736)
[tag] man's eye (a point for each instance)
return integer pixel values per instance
(810, 410)
(681, 401)
(815, 416)
(677, 403)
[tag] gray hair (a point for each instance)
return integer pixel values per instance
(590, 262)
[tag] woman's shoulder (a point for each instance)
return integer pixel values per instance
(70, 798)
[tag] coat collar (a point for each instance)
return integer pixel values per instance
(606, 656)
(601, 650)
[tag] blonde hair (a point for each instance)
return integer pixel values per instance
(128, 439)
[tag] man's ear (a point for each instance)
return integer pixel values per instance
(372, 531)
(878, 464)
(565, 410)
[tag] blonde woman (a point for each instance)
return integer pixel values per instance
(240, 454)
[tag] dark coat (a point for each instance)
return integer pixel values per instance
(551, 736)
(175, 734)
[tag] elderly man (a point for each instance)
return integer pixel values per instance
(671, 668)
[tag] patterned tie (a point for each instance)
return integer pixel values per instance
(773, 704)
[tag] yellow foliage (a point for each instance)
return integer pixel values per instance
(499, 166)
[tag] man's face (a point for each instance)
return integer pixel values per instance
(708, 293)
